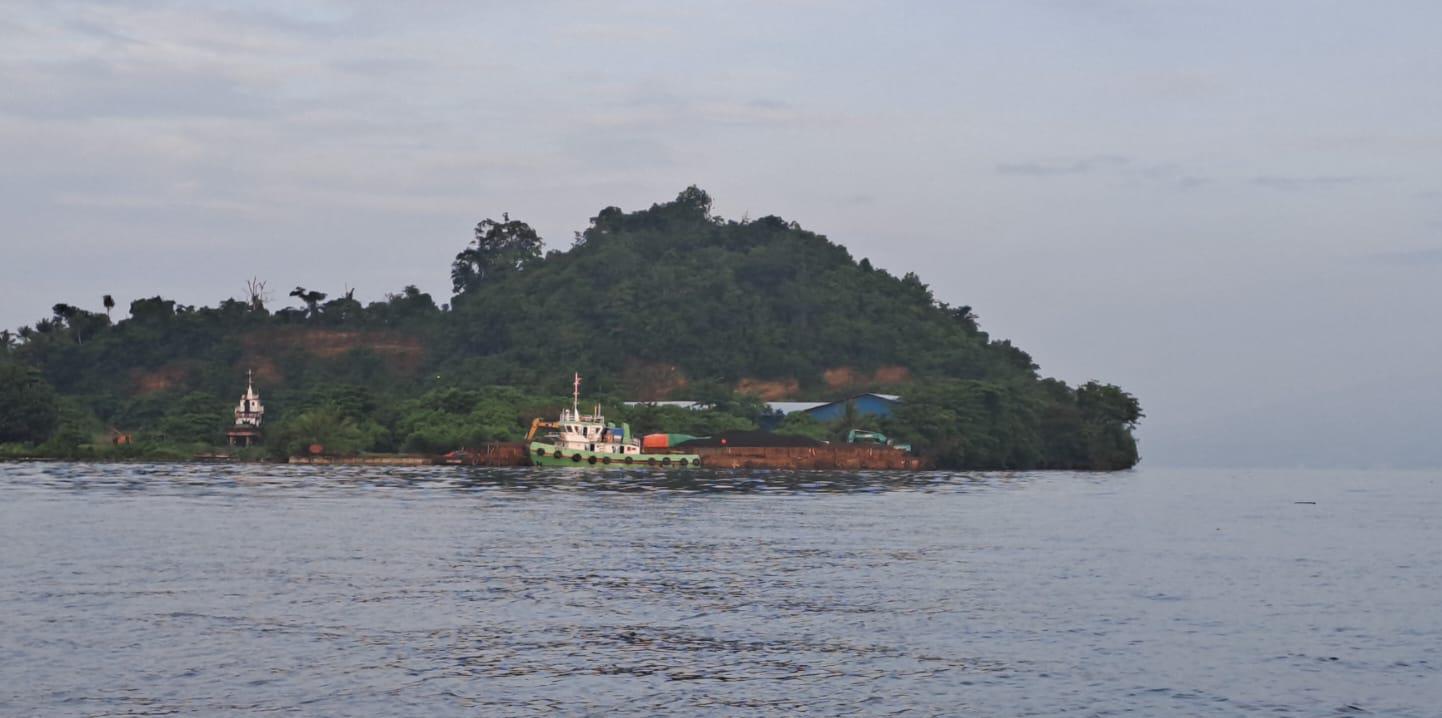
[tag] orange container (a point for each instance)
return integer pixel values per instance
(656, 441)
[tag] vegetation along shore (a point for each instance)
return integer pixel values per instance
(731, 319)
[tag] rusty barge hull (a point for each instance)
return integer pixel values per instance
(842, 456)
(847, 457)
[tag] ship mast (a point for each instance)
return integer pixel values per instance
(576, 398)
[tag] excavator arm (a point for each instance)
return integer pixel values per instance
(538, 424)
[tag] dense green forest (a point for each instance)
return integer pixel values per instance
(666, 302)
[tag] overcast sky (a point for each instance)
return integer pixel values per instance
(1232, 209)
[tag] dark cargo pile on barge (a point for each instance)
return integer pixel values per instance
(748, 439)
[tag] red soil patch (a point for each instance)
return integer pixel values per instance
(841, 377)
(891, 375)
(402, 353)
(164, 378)
(265, 368)
(851, 379)
(652, 381)
(773, 390)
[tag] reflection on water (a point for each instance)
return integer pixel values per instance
(241, 589)
(221, 478)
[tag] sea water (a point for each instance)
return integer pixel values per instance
(218, 590)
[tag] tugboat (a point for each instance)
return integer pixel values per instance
(588, 440)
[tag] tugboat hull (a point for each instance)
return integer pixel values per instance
(545, 454)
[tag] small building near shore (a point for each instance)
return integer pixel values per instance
(249, 414)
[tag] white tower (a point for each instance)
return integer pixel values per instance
(250, 411)
(249, 414)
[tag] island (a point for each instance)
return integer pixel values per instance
(683, 322)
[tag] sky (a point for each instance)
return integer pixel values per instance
(1231, 209)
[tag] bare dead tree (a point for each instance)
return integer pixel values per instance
(256, 294)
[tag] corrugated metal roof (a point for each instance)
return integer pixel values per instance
(779, 407)
(694, 405)
(786, 407)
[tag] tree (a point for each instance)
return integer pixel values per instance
(255, 294)
(29, 410)
(410, 304)
(153, 310)
(109, 303)
(800, 423)
(694, 200)
(1105, 403)
(312, 299)
(326, 427)
(195, 418)
(82, 324)
(499, 248)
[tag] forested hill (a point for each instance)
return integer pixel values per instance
(667, 302)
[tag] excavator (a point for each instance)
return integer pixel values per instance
(861, 436)
(539, 424)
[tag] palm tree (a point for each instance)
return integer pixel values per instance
(109, 303)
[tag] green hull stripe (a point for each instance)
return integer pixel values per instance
(547, 457)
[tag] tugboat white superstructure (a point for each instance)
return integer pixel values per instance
(589, 440)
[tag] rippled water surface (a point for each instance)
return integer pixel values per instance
(239, 590)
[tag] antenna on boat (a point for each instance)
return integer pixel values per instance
(576, 397)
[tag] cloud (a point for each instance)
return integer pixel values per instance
(1181, 85)
(1410, 257)
(1172, 175)
(1085, 165)
(619, 32)
(1166, 174)
(1299, 183)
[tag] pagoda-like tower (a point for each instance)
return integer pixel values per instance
(248, 416)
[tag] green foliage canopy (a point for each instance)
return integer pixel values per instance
(29, 410)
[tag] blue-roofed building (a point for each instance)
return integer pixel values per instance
(829, 411)
(824, 411)
(866, 405)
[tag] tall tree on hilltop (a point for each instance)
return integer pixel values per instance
(109, 303)
(509, 245)
(311, 299)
